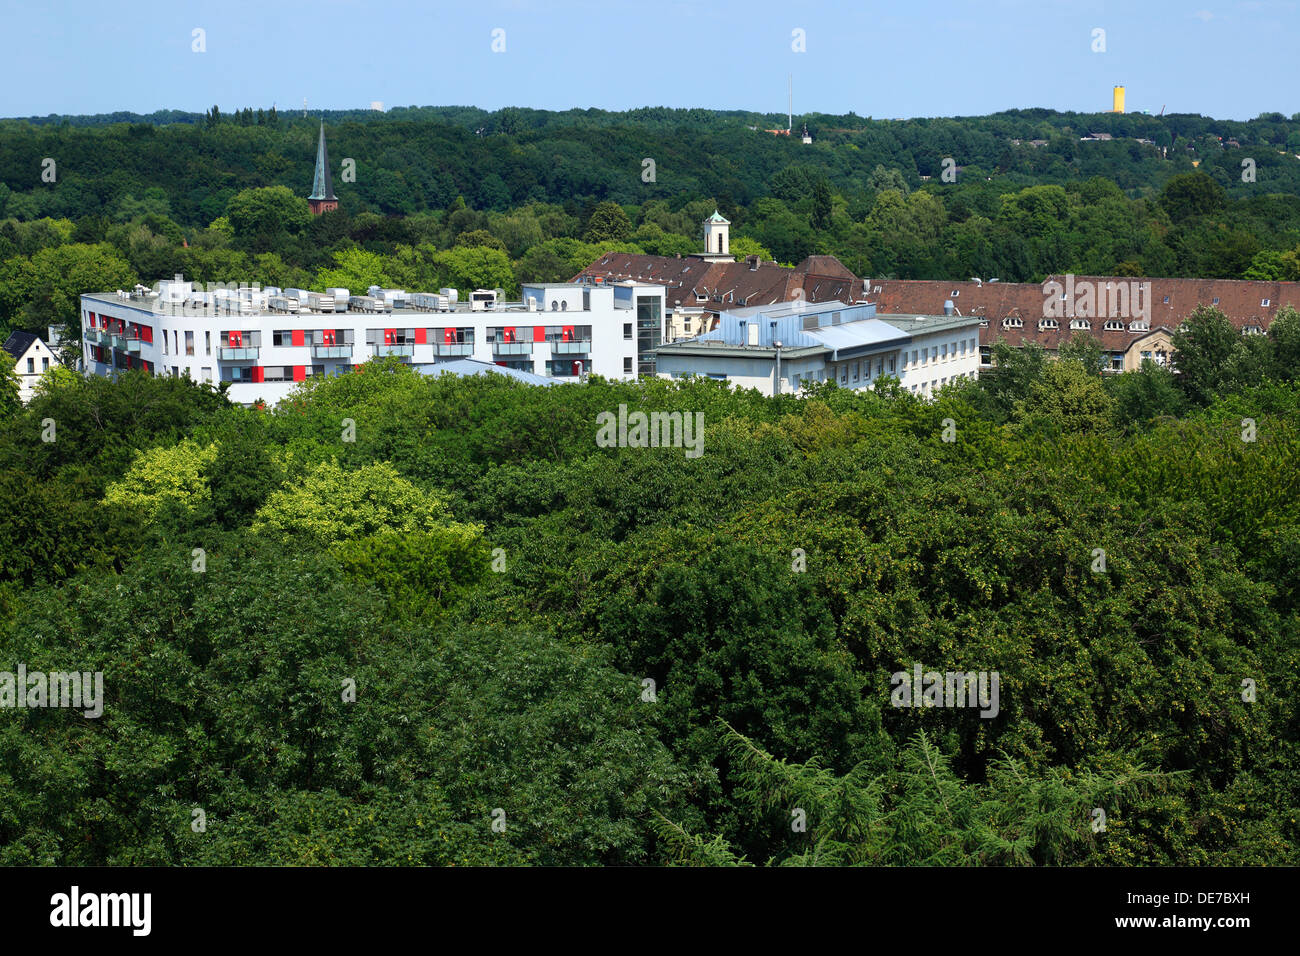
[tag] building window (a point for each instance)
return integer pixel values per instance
(1216, 301)
(31, 366)
(627, 365)
(207, 343)
(282, 337)
(207, 373)
(45, 364)
(189, 342)
(857, 367)
(1263, 303)
(627, 330)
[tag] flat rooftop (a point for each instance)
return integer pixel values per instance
(152, 305)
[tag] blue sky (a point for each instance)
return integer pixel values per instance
(883, 59)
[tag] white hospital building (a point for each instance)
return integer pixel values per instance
(263, 341)
(776, 349)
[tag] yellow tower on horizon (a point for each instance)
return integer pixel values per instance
(1118, 100)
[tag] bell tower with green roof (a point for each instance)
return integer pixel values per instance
(717, 239)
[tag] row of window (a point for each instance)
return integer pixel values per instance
(943, 352)
(928, 388)
(1078, 325)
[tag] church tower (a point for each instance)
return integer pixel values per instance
(322, 198)
(717, 239)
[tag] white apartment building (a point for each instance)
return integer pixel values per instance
(776, 349)
(263, 341)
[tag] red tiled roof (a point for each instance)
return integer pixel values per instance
(822, 279)
(1240, 300)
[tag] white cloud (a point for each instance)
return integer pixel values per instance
(1205, 16)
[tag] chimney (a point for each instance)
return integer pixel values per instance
(753, 262)
(948, 306)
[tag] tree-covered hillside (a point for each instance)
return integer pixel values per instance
(458, 197)
(470, 635)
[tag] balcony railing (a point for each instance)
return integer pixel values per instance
(331, 351)
(453, 348)
(238, 354)
(402, 351)
(133, 344)
(571, 348)
(97, 336)
(512, 348)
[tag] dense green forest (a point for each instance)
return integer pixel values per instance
(469, 635)
(456, 196)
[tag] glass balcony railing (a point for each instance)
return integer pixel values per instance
(331, 351)
(580, 347)
(238, 354)
(512, 348)
(453, 348)
(402, 351)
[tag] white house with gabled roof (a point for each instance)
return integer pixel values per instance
(33, 357)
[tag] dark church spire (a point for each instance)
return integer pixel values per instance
(322, 198)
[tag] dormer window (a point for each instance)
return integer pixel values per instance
(984, 323)
(1012, 322)
(1047, 324)
(954, 293)
(1080, 324)
(1139, 325)
(1114, 325)
(1263, 303)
